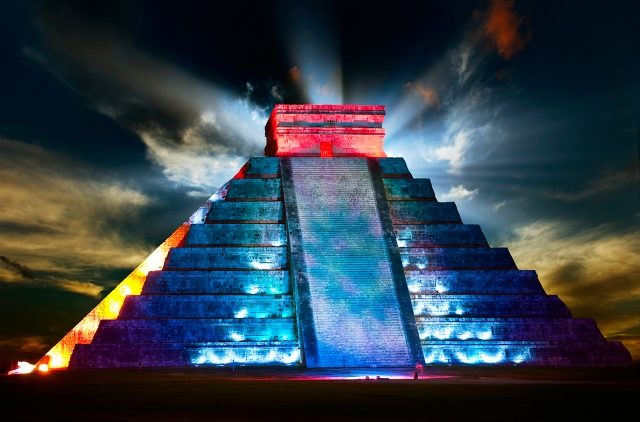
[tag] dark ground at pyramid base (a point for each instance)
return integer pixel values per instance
(289, 394)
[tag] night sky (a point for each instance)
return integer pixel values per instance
(118, 119)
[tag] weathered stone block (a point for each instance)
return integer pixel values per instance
(245, 212)
(409, 189)
(263, 167)
(440, 235)
(394, 167)
(456, 258)
(473, 282)
(206, 306)
(254, 190)
(275, 282)
(237, 234)
(202, 258)
(416, 212)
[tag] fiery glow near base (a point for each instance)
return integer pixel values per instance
(23, 368)
(59, 355)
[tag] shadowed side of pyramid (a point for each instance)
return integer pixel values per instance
(471, 303)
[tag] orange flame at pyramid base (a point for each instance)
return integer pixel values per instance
(60, 354)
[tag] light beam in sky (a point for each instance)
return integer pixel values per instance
(314, 52)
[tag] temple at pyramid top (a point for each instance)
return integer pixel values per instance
(305, 130)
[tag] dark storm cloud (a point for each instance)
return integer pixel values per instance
(608, 182)
(90, 52)
(195, 131)
(12, 271)
(75, 220)
(451, 109)
(595, 271)
(527, 144)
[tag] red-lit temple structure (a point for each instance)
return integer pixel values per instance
(325, 131)
(326, 253)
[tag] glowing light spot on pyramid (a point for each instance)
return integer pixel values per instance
(23, 368)
(236, 337)
(242, 313)
(253, 289)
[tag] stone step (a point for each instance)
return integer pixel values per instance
(409, 189)
(233, 234)
(288, 355)
(394, 167)
(254, 190)
(456, 258)
(262, 167)
(227, 257)
(473, 282)
(275, 282)
(207, 306)
(144, 355)
(245, 212)
(195, 330)
(440, 235)
(418, 212)
(530, 353)
(129, 355)
(489, 306)
(492, 329)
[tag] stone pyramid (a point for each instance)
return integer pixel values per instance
(326, 253)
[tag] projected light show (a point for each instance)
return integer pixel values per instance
(317, 186)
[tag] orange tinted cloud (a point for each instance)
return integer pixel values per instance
(429, 95)
(502, 27)
(594, 271)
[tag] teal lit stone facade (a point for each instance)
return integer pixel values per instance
(334, 262)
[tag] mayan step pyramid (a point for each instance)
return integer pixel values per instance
(326, 253)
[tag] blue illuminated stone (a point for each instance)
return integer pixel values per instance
(418, 212)
(274, 282)
(245, 212)
(254, 189)
(237, 235)
(408, 189)
(258, 258)
(333, 262)
(394, 167)
(263, 167)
